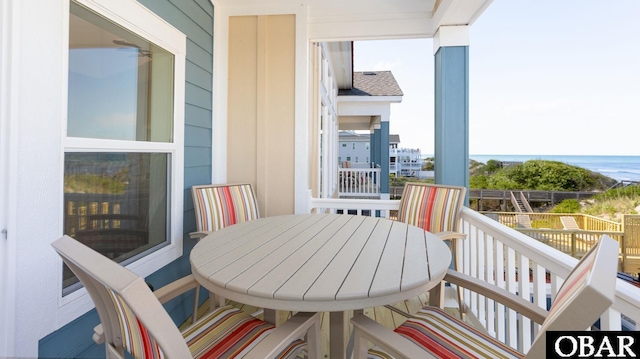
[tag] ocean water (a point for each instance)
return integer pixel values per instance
(621, 168)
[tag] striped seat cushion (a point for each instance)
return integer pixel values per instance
(227, 332)
(447, 337)
(221, 206)
(434, 209)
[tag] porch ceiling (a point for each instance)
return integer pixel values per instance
(357, 123)
(339, 20)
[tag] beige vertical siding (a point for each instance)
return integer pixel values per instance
(314, 122)
(261, 108)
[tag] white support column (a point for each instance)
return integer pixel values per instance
(8, 103)
(302, 88)
(220, 95)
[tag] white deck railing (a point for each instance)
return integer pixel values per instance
(499, 255)
(359, 182)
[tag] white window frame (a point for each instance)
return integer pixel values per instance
(138, 19)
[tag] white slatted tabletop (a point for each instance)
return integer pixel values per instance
(320, 262)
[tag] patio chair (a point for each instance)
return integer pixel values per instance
(436, 209)
(569, 222)
(133, 319)
(586, 293)
(219, 206)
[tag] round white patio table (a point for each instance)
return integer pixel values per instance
(320, 263)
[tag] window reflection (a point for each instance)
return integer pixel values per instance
(116, 203)
(120, 85)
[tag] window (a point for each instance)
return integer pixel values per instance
(356, 159)
(123, 150)
(354, 145)
(366, 146)
(344, 145)
(348, 158)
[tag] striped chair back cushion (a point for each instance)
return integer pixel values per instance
(221, 206)
(135, 337)
(432, 208)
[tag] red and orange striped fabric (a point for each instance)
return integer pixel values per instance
(221, 206)
(135, 337)
(227, 332)
(444, 336)
(433, 208)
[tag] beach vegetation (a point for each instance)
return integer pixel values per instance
(536, 175)
(614, 202)
(400, 181)
(92, 183)
(428, 164)
(567, 206)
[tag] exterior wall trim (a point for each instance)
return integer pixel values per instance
(9, 65)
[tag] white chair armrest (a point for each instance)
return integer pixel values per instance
(198, 235)
(449, 235)
(176, 288)
(498, 294)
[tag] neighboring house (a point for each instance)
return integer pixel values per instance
(110, 110)
(404, 162)
(355, 149)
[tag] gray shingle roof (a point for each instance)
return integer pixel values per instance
(373, 83)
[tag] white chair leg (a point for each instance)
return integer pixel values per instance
(454, 249)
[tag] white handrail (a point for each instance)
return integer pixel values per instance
(362, 182)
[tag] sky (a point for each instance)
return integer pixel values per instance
(546, 77)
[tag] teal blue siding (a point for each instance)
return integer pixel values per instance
(198, 76)
(452, 116)
(198, 96)
(200, 54)
(197, 116)
(194, 18)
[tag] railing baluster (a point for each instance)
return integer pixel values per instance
(512, 338)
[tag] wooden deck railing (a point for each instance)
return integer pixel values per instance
(500, 255)
(552, 221)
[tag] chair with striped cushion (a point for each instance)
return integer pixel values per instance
(586, 293)
(219, 206)
(133, 319)
(436, 209)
